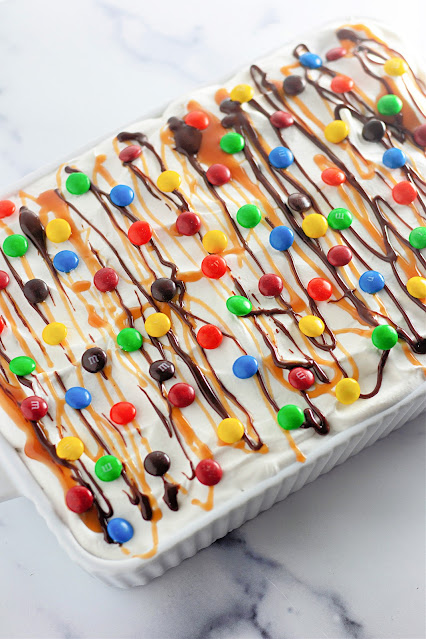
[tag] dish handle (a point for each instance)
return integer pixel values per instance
(7, 489)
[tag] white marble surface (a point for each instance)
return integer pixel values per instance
(344, 557)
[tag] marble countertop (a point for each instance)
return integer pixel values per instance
(342, 558)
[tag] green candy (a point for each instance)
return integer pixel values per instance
(339, 219)
(77, 183)
(108, 468)
(290, 417)
(15, 245)
(129, 339)
(22, 365)
(384, 337)
(417, 237)
(232, 142)
(389, 105)
(238, 305)
(249, 216)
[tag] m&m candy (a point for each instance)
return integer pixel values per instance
(54, 333)
(417, 237)
(371, 282)
(22, 365)
(333, 176)
(163, 289)
(335, 54)
(139, 233)
(218, 174)
(213, 266)
(419, 135)
(168, 181)
(197, 119)
(339, 255)
(70, 448)
(94, 359)
(106, 279)
(188, 223)
(78, 397)
(108, 468)
(389, 105)
(311, 326)
(181, 395)
(416, 286)
(238, 305)
(162, 370)
(319, 289)
(209, 336)
(384, 337)
(270, 285)
(242, 93)
(65, 261)
(281, 238)
(395, 66)
(373, 130)
(301, 378)
(130, 153)
(281, 157)
(347, 390)
(245, 367)
(4, 280)
(290, 417)
(157, 463)
(7, 208)
(79, 499)
(157, 324)
(341, 84)
(281, 119)
(34, 408)
(15, 245)
(122, 413)
(249, 216)
(404, 192)
(315, 225)
(394, 158)
(215, 241)
(122, 195)
(77, 183)
(36, 291)
(58, 230)
(310, 60)
(129, 339)
(230, 430)
(299, 202)
(208, 472)
(294, 85)
(120, 530)
(232, 142)
(336, 131)
(339, 219)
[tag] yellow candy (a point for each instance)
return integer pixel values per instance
(70, 448)
(230, 430)
(157, 325)
(242, 93)
(54, 333)
(311, 325)
(395, 66)
(168, 181)
(215, 241)
(58, 230)
(336, 131)
(416, 286)
(347, 390)
(315, 225)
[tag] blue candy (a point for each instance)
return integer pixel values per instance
(245, 366)
(371, 282)
(78, 397)
(310, 60)
(281, 157)
(122, 195)
(394, 158)
(65, 261)
(120, 530)
(281, 238)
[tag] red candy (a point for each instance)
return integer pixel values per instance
(106, 279)
(6, 208)
(188, 223)
(301, 378)
(2, 325)
(139, 233)
(208, 472)
(319, 289)
(333, 176)
(420, 135)
(213, 266)
(34, 408)
(4, 279)
(281, 119)
(197, 119)
(218, 174)
(122, 413)
(79, 499)
(335, 54)
(341, 84)
(130, 153)
(270, 285)
(339, 255)
(181, 395)
(404, 192)
(209, 336)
